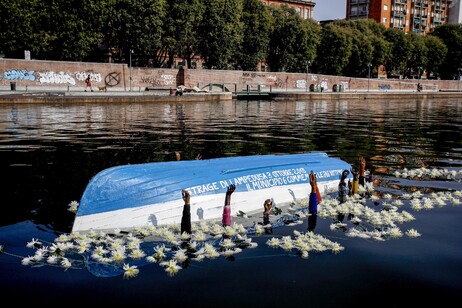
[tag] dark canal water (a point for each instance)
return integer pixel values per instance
(49, 152)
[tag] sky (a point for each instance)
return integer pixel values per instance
(329, 9)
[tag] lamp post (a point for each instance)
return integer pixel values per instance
(131, 51)
(307, 71)
(368, 75)
(458, 78)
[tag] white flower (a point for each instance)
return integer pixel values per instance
(137, 254)
(151, 259)
(171, 267)
(52, 260)
(28, 260)
(34, 244)
(228, 253)
(118, 255)
(185, 236)
(412, 233)
(73, 206)
(387, 196)
(63, 238)
(100, 250)
(180, 255)
(395, 232)
(286, 243)
(210, 251)
(65, 263)
(130, 271)
(199, 236)
(336, 247)
(273, 242)
(227, 243)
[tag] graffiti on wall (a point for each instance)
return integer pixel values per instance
(58, 78)
(18, 75)
(164, 80)
(95, 77)
(384, 86)
(275, 81)
(301, 84)
(112, 79)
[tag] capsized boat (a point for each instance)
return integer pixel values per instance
(134, 196)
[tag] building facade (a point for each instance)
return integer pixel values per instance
(303, 7)
(418, 16)
(455, 12)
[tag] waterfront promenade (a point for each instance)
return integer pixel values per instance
(50, 95)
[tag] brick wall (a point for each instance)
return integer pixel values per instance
(70, 76)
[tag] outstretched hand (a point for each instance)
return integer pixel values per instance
(362, 165)
(354, 172)
(267, 205)
(345, 174)
(313, 181)
(231, 189)
(186, 196)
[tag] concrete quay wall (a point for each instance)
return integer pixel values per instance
(37, 75)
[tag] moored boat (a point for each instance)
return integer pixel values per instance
(132, 196)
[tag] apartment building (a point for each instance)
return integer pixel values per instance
(455, 12)
(303, 7)
(419, 16)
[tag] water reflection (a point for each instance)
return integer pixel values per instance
(49, 152)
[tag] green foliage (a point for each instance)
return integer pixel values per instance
(400, 51)
(220, 32)
(418, 55)
(451, 35)
(287, 50)
(436, 55)
(335, 49)
(23, 25)
(133, 25)
(180, 37)
(257, 26)
(226, 34)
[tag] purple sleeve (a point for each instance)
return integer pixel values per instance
(313, 203)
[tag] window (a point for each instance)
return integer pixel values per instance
(385, 7)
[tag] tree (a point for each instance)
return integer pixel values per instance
(308, 38)
(436, 54)
(75, 27)
(368, 46)
(361, 55)
(400, 51)
(256, 30)
(451, 35)
(180, 37)
(23, 27)
(134, 25)
(287, 33)
(335, 49)
(220, 32)
(417, 61)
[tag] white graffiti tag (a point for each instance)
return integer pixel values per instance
(58, 78)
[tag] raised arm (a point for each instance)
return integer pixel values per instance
(231, 189)
(186, 197)
(362, 170)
